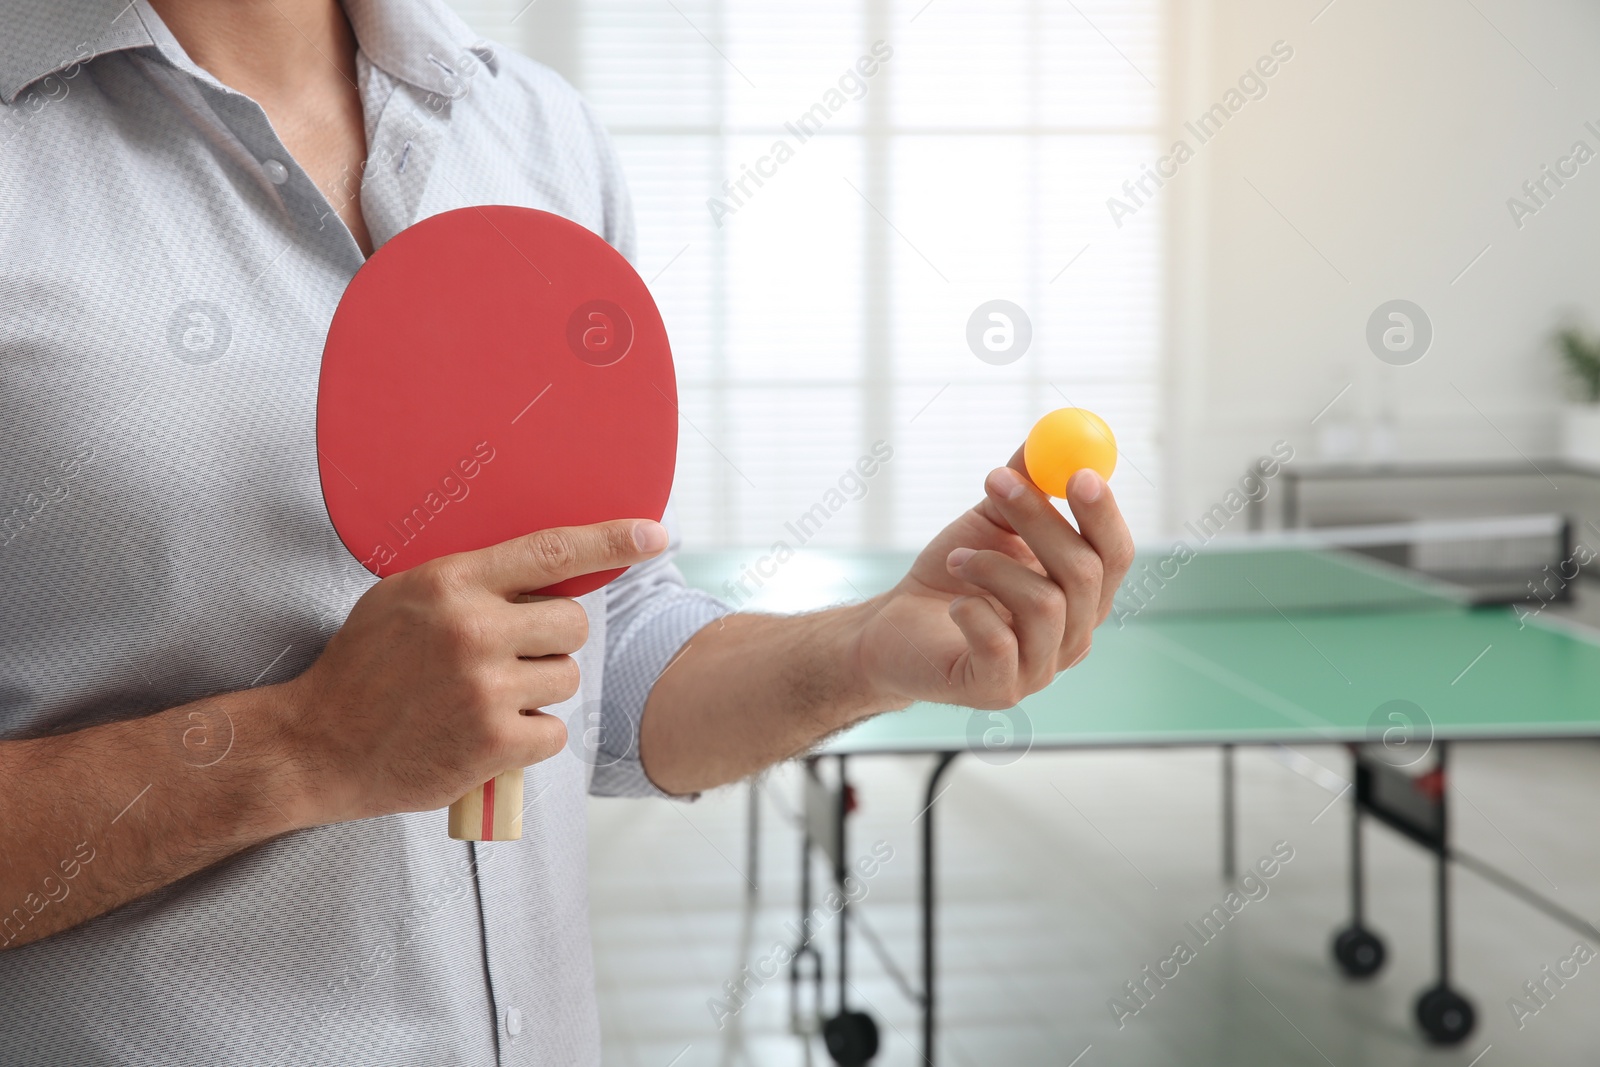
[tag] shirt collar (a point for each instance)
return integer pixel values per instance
(44, 38)
(421, 42)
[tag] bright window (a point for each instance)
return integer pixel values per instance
(826, 308)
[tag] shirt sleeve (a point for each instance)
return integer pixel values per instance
(616, 203)
(651, 614)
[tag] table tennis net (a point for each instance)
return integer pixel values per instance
(1389, 567)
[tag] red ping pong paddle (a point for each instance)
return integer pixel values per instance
(490, 372)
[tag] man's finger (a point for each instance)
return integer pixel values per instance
(1035, 602)
(535, 738)
(541, 683)
(1069, 560)
(987, 508)
(544, 626)
(1101, 524)
(992, 662)
(544, 558)
(1017, 463)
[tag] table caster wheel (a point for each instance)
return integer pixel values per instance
(1445, 1015)
(851, 1037)
(1359, 951)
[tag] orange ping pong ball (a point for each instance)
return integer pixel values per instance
(1063, 443)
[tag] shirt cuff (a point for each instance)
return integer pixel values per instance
(638, 656)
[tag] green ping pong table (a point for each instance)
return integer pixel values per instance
(1252, 645)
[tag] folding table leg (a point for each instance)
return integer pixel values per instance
(851, 1036)
(1358, 951)
(1445, 1015)
(803, 950)
(929, 1053)
(752, 855)
(1229, 824)
(1357, 882)
(840, 869)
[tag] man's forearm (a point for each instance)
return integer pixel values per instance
(414, 701)
(750, 690)
(102, 816)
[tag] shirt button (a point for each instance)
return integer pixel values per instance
(514, 1022)
(275, 171)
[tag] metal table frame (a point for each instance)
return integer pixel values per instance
(1294, 478)
(1363, 805)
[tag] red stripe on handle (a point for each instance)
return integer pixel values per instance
(488, 810)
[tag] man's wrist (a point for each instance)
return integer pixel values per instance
(298, 774)
(870, 694)
(243, 741)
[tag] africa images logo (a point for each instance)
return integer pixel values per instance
(1251, 85)
(199, 332)
(737, 192)
(453, 487)
(1399, 332)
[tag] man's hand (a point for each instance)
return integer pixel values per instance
(435, 682)
(414, 701)
(1002, 600)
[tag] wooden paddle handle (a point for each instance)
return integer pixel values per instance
(491, 812)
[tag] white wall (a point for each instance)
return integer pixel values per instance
(1391, 141)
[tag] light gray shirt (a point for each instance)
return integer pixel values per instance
(167, 276)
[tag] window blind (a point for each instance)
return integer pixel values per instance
(818, 294)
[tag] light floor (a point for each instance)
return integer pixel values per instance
(1062, 875)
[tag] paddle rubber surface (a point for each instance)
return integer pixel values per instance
(490, 372)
